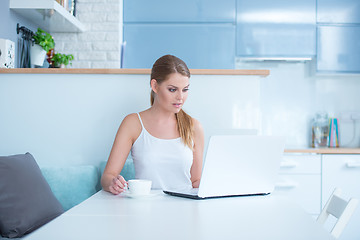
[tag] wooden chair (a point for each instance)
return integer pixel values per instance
(339, 208)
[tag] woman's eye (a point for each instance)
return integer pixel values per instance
(172, 89)
(185, 89)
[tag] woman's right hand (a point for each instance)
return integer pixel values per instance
(118, 185)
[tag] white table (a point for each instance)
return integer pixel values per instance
(159, 216)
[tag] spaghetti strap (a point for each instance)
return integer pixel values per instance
(142, 125)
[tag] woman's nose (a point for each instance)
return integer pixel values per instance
(180, 95)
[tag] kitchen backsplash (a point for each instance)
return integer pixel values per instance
(293, 93)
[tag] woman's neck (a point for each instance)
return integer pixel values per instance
(159, 123)
(161, 115)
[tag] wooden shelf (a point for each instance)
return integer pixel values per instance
(129, 71)
(48, 15)
(325, 150)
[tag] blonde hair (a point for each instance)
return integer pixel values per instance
(161, 69)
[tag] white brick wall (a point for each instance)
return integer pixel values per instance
(99, 45)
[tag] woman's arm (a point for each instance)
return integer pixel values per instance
(198, 151)
(129, 130)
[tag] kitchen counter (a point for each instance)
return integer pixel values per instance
(325, 150)
(129, 71)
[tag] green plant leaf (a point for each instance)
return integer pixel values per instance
(44, 39)
(60, 58)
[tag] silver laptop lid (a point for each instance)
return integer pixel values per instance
(240, 165)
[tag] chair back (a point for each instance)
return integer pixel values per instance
(340, 209)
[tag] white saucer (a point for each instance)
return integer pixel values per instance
(130, 195)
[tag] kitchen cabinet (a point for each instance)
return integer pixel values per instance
(199, 45)
(300, 179)
(343, 171)
(309, 180)
(338, 48)
(338, 36)
(189, 11)
(276, 29)
(201, 32)
(335, 11)
(48, 15)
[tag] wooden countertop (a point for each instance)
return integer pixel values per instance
(325, 150)
(128, 71)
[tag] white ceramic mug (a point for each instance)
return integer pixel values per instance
(139, 186)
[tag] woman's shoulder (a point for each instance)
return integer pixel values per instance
(198, 132)
(197, 125)
(131, 117)
(130, 127)
(195, 122)
(131, 121)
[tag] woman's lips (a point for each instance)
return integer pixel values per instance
(177, 105)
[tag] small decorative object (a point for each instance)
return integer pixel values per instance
(61, 60)
(333, 133)
(50, 55)
(43, 43)
(320, 130)
(7, 53)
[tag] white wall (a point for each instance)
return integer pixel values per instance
(73, 118)
(66, 119)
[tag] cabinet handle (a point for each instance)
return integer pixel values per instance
(286, 185)
(288, 164)
(353, 164)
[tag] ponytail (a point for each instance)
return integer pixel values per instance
(186, 129)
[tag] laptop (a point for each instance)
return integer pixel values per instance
(237, 165)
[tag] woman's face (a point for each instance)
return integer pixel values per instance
(172, 93)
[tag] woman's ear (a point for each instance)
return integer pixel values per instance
(153, 84)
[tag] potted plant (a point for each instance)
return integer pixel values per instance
(62, 60)
(43, 42)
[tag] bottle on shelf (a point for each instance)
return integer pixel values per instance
(320, 130)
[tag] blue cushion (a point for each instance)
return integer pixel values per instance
(128, 171)
(72, 184)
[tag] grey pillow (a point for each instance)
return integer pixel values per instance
(26, 200)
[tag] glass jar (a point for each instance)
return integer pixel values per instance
(320, 130)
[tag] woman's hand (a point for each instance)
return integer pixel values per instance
(117, 185)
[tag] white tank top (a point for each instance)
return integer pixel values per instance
(166, 162)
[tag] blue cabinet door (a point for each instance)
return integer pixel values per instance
(199, 45)
(141, 11)
(338, 49)
(277, 28)
(338, 11)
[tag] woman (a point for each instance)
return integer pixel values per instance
(166, 144)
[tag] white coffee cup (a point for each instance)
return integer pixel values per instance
(139, 186)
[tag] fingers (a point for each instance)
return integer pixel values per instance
(122, 180)
(118, 185)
